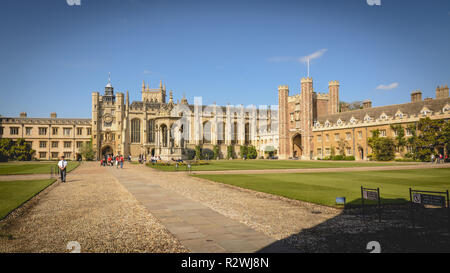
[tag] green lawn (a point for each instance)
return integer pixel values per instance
(15, 193)
(323, 188)
(219, 165)
(32, 167)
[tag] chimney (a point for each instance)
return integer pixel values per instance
(416, 96)
(23, 114)
(367, 104)
(53, 115)
(442, 92)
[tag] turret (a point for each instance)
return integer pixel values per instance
(333, 102)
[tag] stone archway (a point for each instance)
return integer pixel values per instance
(297, 146)
(361, 153)
(106, 150)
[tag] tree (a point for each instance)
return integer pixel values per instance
(5, 148)
(21, 151)
(383, 147)
(342, 144)
(252, 153)
(198, 152)
(434, 137)
(87, 152)
(243, 151)
(229, 151)
(216, 151)
(400, 141)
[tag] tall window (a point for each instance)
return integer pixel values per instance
(247, 134)
(89, 131)
(79, 131)
(135, 130)
(235, 132)
(54, 131)
(151, 130)
(221, 133)
(67, 131)
(207, 132)
(28, 130)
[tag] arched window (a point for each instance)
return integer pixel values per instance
(221, 133)
(164, 135)
(207, 132)
(136, 131)
(247, 133)
(235, 132)
(151, 131)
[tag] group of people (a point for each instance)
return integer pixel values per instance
(439, 158)
(111, 160)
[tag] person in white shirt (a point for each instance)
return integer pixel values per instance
(62, 164)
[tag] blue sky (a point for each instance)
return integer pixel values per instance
(52, 55)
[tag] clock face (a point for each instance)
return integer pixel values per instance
(107, 118)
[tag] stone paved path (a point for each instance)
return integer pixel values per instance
(198, 227)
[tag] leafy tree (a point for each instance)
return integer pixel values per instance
(434, 137)
(383, 147)
(21, 151)
(229, 151)
(342, 144)
(5, 148)
(87, 152)
(252, 153)
(400, 140)
(198, 152)
(207, 154)
(216, 151)
(243, 151)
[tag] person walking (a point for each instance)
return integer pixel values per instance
(121, 161)
(62, 164)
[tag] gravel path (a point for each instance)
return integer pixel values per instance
(94, 209)
(345, 169)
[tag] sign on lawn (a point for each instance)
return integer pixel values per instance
(370, 195)
(428, 199)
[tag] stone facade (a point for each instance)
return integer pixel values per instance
(312, 125)
(49, 137)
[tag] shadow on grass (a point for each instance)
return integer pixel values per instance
(349, 232)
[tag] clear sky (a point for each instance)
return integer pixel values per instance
(53, 55)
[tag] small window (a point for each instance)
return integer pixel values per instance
(42, 131)
(349, 151)
(67, 154)
(359, 134)
(42, 155)
(67, 144)
(67, 131)
(336, 137)
(28, 130)
(54, 144)
(54, 131)
(327, 151)
(14, 130)
(319, 138)
(319, 151)
(42, 144)
(348, 136)
(383, 133)
(54, 155)
(88, 131)
(79, 131)
(327, 136)
(79, 144)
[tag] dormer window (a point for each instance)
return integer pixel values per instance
(327, 123)
(399, 114)
(383, 116)
(367, 118)
(353, 120)
(446, 108)
(339, 122)
(425, 111)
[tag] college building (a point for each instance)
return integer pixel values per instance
(312, 125)
(309, 125)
